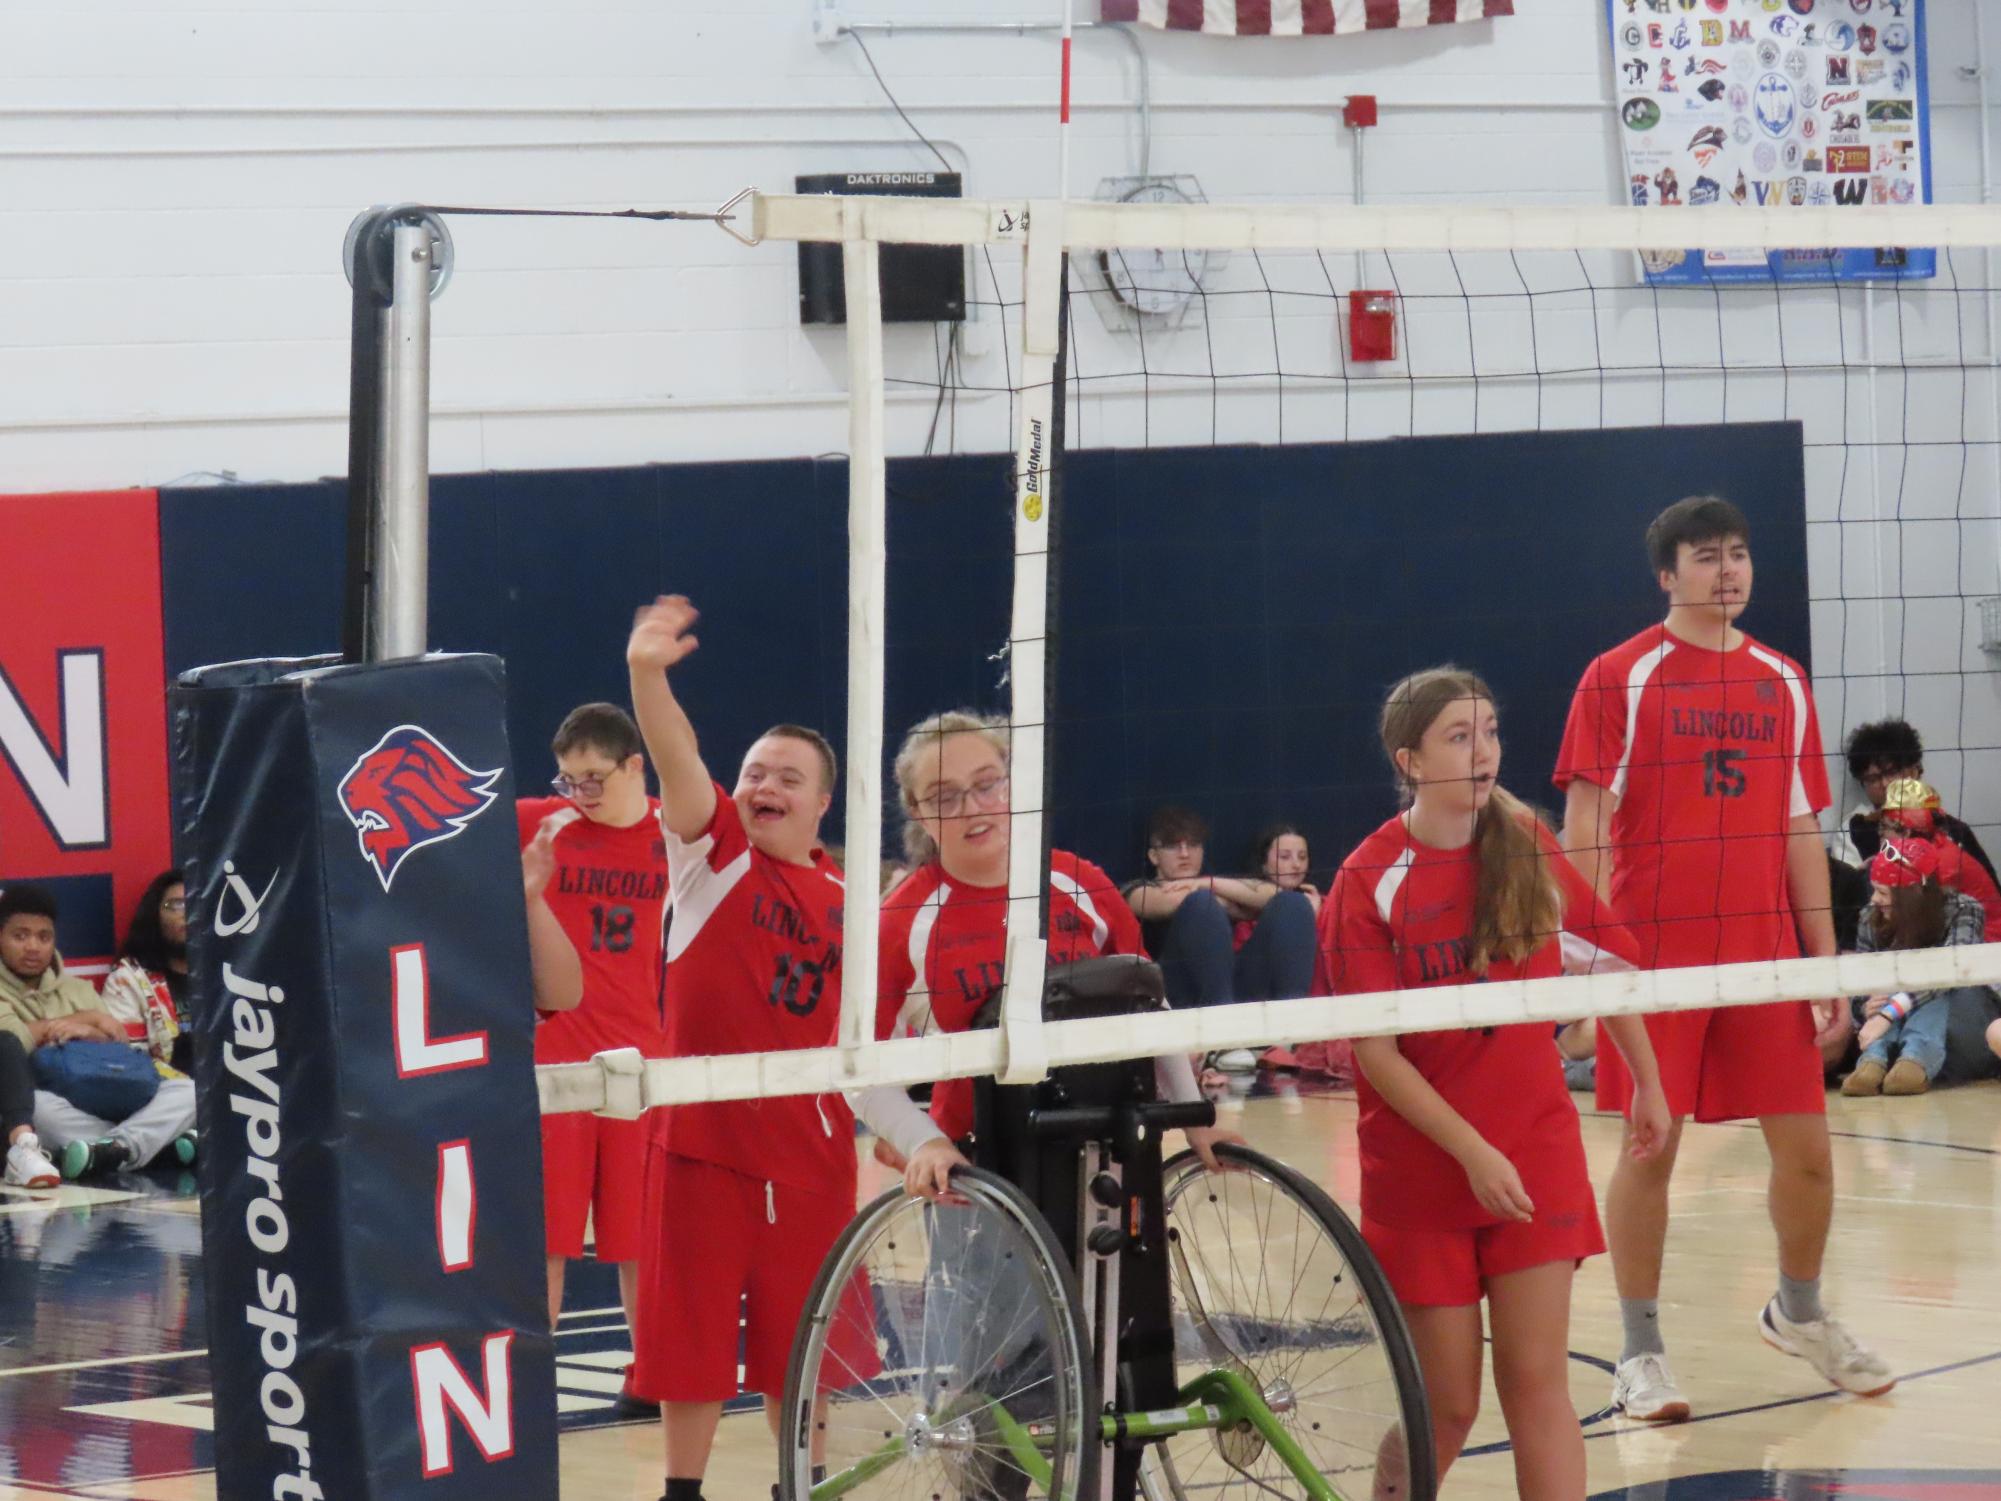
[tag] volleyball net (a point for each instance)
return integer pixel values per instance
(1260, 461)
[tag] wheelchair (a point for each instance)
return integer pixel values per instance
(1090, 1322)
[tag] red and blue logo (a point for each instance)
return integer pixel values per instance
(408, 792)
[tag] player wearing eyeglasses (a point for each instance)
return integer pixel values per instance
(608, 890)
(944, 931)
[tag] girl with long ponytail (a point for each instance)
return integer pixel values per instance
(1473, 1175)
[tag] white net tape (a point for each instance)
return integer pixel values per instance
(616, 1084)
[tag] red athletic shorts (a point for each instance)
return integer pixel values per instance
(1450, 1267)
(725, 1253)
(1730, 1063)
(591, 1168)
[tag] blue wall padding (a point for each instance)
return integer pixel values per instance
(1229, 616)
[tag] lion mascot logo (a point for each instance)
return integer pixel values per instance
(409, 791)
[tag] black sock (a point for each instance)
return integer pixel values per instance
(683, 1490)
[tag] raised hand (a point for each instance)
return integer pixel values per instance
(661, 633)
(538, 859)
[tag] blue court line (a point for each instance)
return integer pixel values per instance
(1503, 1446)
(1912, 1141)
(1901, 1141)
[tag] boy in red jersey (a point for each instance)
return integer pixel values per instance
(743, 1198)
(1692, 774)
(609, 891)
(1473, 1175)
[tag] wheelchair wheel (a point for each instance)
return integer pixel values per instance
(942, 1354)
(1270, 1278)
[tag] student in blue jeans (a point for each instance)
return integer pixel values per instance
(1220, 939)
(1910, 1041)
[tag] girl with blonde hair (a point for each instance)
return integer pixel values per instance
(944, 931)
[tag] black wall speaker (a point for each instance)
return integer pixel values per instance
(920, 283)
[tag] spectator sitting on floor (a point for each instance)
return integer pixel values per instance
(44, 1008)
(1934, 1036)
(1187, 920)
(1281, 856)
(28, 1166)
(1911, 811)
(1878, 754)
(148, 991)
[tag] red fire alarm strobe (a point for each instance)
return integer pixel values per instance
(1372, 325)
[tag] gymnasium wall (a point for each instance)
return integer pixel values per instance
(1229, 617)
(180, 179)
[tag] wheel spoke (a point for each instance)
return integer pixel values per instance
(970, 1307)
(1263, 1272)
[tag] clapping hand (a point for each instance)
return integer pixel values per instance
(538, 860)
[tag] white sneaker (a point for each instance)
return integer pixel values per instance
(1235, 1061)
(1643, 1388)
(28, 1165)
(1827, 1346)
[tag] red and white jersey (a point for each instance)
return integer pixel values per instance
(1963, 873)
(609, 893)
(1397, 918)
(754, 966)
(942, 947)
(1710, 756)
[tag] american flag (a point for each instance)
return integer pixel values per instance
(1299, 17)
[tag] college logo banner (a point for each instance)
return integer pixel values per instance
(364, 1056)
(1729, 104)
(83, 740)
(1299, 17)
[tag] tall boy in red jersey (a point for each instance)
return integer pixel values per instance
(608, 891)
(743, 1198)
(1693, 775)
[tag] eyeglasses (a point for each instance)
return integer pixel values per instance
(591, 786)
(949, 802)
(174, 904)
(1874, 777)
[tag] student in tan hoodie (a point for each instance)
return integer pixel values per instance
(40, 1006)
(27, 1165)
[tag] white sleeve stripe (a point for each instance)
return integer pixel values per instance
(1583, 957)
(1800, 805)
(1636, 689)
(914, 1015)
(560, 818)
(1392, 882)
(698, 888)
(1068, 885)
